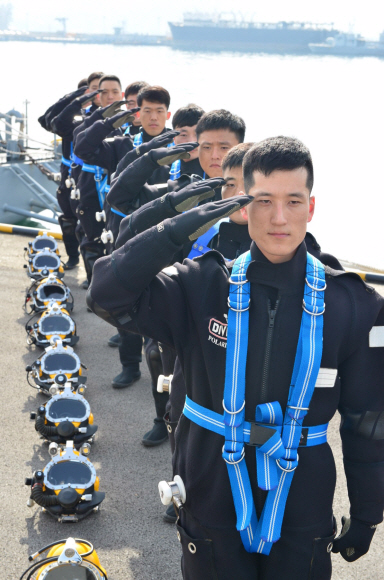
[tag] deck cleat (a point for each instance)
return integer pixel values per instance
(54, 323)
(42, 293)
(68, 487)
(66, 416)
(57, 360)
(71, 559)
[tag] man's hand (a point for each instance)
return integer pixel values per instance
(167, 155)
(160, 141)
(192, 224)
(87, 97)
(122, 117)
(190, 196)
(354, 540)
(77, 93)
(111, 110)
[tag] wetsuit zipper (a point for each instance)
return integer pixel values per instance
(271, 326)
(261, 494)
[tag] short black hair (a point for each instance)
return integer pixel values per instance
(235, 156)
(277, 154)
(187, 116)
(221, 119)
(82, 83)
(93, 76)
(110, 78)
(135, 88)
(154, 94)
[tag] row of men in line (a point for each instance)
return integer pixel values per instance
(185, 309)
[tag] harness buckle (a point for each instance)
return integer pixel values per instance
(313, 313)
(233, 462)
(238, 309)
(315, 287)
(260, 434)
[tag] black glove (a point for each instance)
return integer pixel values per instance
(354, 540)
(87, 97)
(167, 155)
(192, 224)
(111, 110)
(77, 93)
(122, 117)
(190, 196)
(160, 141)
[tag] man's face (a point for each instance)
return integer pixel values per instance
(132, 104)
(110, 93)
(213, 145)
(187, 135)
(278, 215)
(153, 117)
(234, 186)
(91, 88)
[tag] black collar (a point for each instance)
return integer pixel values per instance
(235, 232)
(288, 277)
(147, 137)
(191, 167)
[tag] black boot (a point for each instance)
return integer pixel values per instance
(128, 375)
(115, 340)
(71, 263)
(157, 435)
(170, 514)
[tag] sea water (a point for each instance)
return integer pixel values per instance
(334, 105)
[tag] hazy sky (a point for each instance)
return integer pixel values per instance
(151, 16)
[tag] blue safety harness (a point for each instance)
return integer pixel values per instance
(101, 179)
(276, 452)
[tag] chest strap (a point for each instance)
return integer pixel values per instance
(253, 432)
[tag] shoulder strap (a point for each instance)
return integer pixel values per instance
(200, 246)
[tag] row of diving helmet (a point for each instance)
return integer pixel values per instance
(68, 487)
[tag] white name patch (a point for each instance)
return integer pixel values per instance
(326, 378)
(376, 336)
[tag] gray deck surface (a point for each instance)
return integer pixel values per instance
(128, 533)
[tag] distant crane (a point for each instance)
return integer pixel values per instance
(64, 23)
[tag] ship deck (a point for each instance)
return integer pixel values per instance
(128, 533)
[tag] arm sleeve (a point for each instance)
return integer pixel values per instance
(91, 145)
(62, 124)
(128, 292)
(362, 425)
(131, 185)
(54, 110)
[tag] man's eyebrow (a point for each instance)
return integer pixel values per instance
(267, 194)
(211, 142)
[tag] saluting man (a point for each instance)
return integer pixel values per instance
(270, 348)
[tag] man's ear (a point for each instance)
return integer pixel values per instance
(311, 210)
(243, 210)
(168, 115)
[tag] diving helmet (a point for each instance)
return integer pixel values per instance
(71, 559)
(67, 415)
(68, 487)
(47, 290)
(56, 360)
(54, 323)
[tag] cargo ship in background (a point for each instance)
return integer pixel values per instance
(220, 32)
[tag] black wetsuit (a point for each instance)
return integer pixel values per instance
(175, 308)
